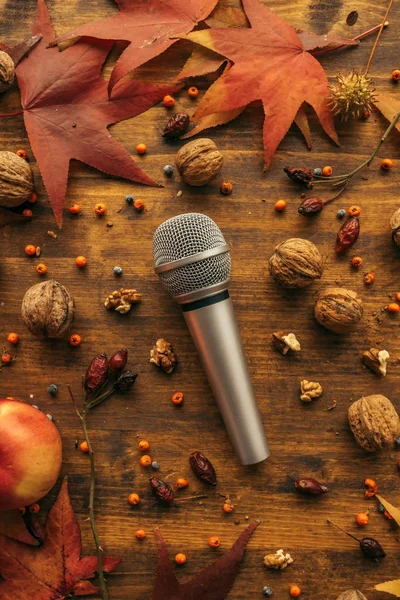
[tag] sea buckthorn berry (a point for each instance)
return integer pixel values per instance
(75, 339)
(133, 499)
(356, 262)
(34, 508)
(193, 92)
(181, 483)
(396, 75)
(362, 519)
(74, 209)
(41, 269)
(214, 541)
(386, 164)
(226, 188)
(33, 198)
(13, 338)
(141, 148)
(22, 154)
(27, 212)
(83, 447)
(372, 488)
(369, 278)
(145, 460)
(177, 398)
(144, 445)
(295, 591)
(100, 209)
(6, 358)
(228, 507)
(280, 205)
(168, 101)
(398, 296)
(180, 558)
(354, 211)
(138, 205)
(30, 250)
(80, 262)
(327, 171)
(141, 534)
(393, 307)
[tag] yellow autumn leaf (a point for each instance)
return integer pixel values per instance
(392, 510)
(390, 587)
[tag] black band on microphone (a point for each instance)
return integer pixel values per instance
(205, 301)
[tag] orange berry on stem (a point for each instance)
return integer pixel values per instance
(6, 358)
(27, 212)
(280, 205)
(138, 205)
(180, 558)
(214, 541)
(145, 460)
(398, 296)
(141, 149)
(396, 75)
(393, 307)
(133, 499)
(83, 447)
(327, 171)
(41, 269)
(386, 164)
(177, 398)
(168, 101)
(295, 591)
(362, 519)
(141, 534)
(30, 250)
(32, 199)
(193, 92)
(80, 261)
(74, 209)
(100, 209)
(13, 338)
(354, 211)
(22, 154)
(144, 445)
(75, 339)
(228, 507)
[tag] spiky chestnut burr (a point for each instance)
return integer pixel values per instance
(352, 95)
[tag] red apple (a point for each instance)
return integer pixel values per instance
(30, 454)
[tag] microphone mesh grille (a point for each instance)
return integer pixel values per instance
(185, 235)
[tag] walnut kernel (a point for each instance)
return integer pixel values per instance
(163, 356)
(310, 390)
(278, 560)
(285, 342)
(122, 300)
(376, 360)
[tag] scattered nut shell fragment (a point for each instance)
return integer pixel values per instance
(310, 390)
(278, 560)
(285, 342)
(376, 360)
(163, 356)
(374, 422)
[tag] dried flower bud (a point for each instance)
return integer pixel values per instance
(310, 487)
(118, 361)
(311, 206)
(202, 468)
(162, 490)
(96, 374)
(372, 549)
(125, 381)
(299, 175)
(176, 126)
(347, 235)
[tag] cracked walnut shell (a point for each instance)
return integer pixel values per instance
(374, 422)
(48, 309)
(122, 300)
(162, 355)
(278, 560)
(199, 161)
(338, 309)
(296, 263)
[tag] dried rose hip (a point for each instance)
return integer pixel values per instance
(96, 374)
(125, 381)
(162, 491)
(202, 468)
(311, 206)
(347, 235)
(176, 126)
(299, 175)
(310, 487)
(118, 361)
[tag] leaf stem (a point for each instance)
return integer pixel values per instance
(198, 497)
(341, 529)
(371, 56)
(11, 114)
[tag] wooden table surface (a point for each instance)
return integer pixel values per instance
(305, 440)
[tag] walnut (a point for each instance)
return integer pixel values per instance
(162, 355)
(279, 560)
(310, 390)
(376, 360)
(48, 309)
(285, 342)
(338, 309)
(16, 180)
(199, 161)
(295, 263)
(374, 422)
(7, 71)
(122, 300)
(395, 226)
(351, 595)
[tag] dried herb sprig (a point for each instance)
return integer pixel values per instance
(103, 377)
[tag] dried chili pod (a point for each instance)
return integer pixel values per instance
(311, 206)
(176, 126)
(202, 468)
(310, 487)
(299, 175)
(162, 490)
(372, 549)
(347, 235)
(118, 361)
(96, 373)
(125, 380)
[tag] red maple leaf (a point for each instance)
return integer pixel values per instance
(212, 583)
(148, 26)
(55, 570)
(269, 63)
(67, 110)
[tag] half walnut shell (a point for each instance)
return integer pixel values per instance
(48, 309)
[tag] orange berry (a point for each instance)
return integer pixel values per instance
(41, 269)
(386, 164)
(177, 398)
(27, 212)
(145, 460)
(22, 154)
(6, 358)
(30, 250)
(228, 507)
(327, 171)
(295, 591)
(141, 534)
(193, 92)
(180, 559)
(138, 205)
(74, 209)
(369, 278)
(280, 205)
(372, 488)
(141, 149)
(32, 199)
(356, 262)
(214, 541)
(354, 211)
(80, 261)
(226, 188)
(398, 296)
(34, 508)
(100, 209)
(75, 339)
(181, 483)
(144, 445)
(133, 499)
(168, 101)
(13, 338)
(83, 447)
(396, 75)
(362, 519)
(388, 516)
(393, 307)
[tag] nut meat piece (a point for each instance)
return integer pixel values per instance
(284, 342)
(279, 560)
(376, 360)
(374, 422)
(310, 390)
(122, 300)
(162, 355)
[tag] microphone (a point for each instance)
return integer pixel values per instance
(193, 262)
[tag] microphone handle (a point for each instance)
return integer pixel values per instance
(215, 332)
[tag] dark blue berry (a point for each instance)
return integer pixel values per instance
(341, 213)
(117, 270)
(52, 389)
(129, 199)
(381, 508)
(155, 465)
(168, 170)
(267, 591)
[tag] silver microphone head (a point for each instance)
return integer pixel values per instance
(191, 257)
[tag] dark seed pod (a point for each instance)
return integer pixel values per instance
(118, 361)
(96, 374)
(176, 126)
(125, 381)
(299, 175)
(310, 487)
(347, 235)
(202, 468)
(311, 206)
(372, 549)
(162, 490)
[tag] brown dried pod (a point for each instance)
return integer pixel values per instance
(311, 206)
(374, 422)
(7, 71)
(338, 309)
(351, 595)
(310, 487)
(176, 126)
(16, 180)
(199, 161)
(395, 226)
(295, 263)
(48, 309)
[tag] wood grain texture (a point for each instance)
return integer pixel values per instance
(304, 440)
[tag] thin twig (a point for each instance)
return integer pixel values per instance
(11, 114)
(371, 56)
(344, 531)
(198, 497)
(338, 193)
